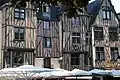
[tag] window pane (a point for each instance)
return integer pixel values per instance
(73, 20)
(22, 10)
(73, 40)
(47, 9)
(98, 33)
(114, 53)
(16, 9)
(16, 35)
(22, 36)
(100, 53)
(16, 30)
(48, 42)
(104, 14)
(113, 35)
(16, 15)
(108, 15)
(78, 40)
(22, 15)
(19, 13)
(46, 25)
(77, 20)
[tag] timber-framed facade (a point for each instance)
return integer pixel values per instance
(18, 35)
(105, 35)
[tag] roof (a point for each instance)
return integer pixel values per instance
(94, 8)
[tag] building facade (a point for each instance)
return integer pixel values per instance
(75, 34)
(61, 41)
(18, 35)
(105, 41)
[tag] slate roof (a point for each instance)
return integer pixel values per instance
(93, 9)
(95, 6)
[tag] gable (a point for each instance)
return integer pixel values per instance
(105, 9)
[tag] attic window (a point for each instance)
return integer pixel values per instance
(106, 14)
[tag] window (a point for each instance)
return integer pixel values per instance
(18, 59)
(75, 21)
(113, 35)
(114, 53)
(100, 53)
(19, 33)
(46, 9)
(46, 25)
(47, 62)
(75, 60)
(47, 42)
(98, 33)
(19, 13)
(106, 14)
(76, 37)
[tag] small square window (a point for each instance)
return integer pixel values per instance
(19, 13)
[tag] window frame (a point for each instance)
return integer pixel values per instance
(76, 37)
(75, 21)
(18, 32)
(100, 54)
(98, 33)
(106, 14)
(46, 25)
(19, 12)
(114, 55)
(46, 41)
(113, 34)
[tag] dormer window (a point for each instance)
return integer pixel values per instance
(106, 14)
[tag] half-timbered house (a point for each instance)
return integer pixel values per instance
(105, 41)
(18, 35)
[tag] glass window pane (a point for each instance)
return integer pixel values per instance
(46, 25)
(48, 42)
(16, 15)
(22, 15)
(16, 9)
(73, 20)
(104, 14)
(22, 10)
(47, 9)
(77, 21)
(16, 35)
(16, 30)
(21, 30)
(108, 14)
